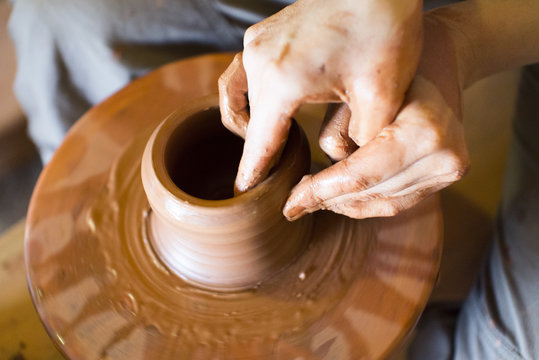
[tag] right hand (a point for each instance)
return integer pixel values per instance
(361, 53)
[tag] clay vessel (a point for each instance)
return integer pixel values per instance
(197, 227)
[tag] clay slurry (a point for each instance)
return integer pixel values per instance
(204, 162)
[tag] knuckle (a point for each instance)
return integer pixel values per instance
(360, 183)
(226, 79)
(329, 145)
(348, 172)
(426, 128)
(393, 208)
(259, 62)
(354, 210)
(389, 132)
(313, 189)
(250, 34)
(310, 191)
(223, 81)
(457, 160)
(431, 137)
(349, 179)
(434, 137)
(457, 164)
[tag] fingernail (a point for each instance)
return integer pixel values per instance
(237, 191)
(239, 187)
(292, 212)
(243, 183)
(359, 141)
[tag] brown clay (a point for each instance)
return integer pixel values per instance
(105, 287)
(197, 227)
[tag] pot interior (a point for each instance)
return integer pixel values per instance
(202, 156)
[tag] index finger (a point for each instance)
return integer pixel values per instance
(233, 98)
(267, 134)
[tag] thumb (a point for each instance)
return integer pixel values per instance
(266, 137)
(372, 110)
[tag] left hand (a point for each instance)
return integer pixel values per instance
(421, 152)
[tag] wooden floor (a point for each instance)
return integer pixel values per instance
(21, 334)
(10, 111)
(19, 162)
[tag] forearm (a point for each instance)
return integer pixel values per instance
(492, 35)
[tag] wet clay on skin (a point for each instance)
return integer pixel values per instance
(106, 287)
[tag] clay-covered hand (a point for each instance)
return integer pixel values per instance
(421, 152)
(363, 53)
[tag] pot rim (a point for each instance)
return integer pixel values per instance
(160, 139)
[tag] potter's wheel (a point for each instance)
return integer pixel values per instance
(102, 295)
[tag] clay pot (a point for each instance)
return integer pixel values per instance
(198, 228)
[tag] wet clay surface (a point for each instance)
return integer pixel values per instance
(204, 158)
(227, 244)
(103, 294)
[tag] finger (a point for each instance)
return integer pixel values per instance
(233, 97)
(383, 207)
(439, 167)
(252, 32)
(333, 138)
(266, 136)
(380, 159)
(268, 24)
(372, 110)
(376, 207)
(401, 191)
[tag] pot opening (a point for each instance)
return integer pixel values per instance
(202, 156)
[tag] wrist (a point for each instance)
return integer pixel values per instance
(442, 63)
(444, 30)
(491, 36)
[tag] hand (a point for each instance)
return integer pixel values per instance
(360, 53)
(421, 152)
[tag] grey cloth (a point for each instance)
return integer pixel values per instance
(73, 54)
(500, 317)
